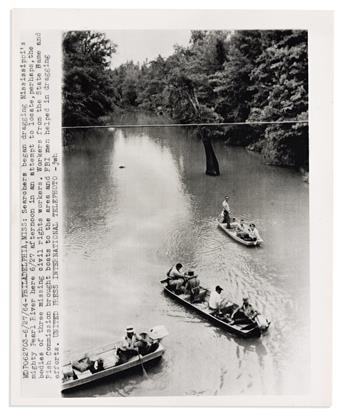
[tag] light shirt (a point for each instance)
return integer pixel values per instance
(175, 273)
(226, 206)
(253, 233)
(129, 342)
(256, 233)
(215, 300)
(248, 310)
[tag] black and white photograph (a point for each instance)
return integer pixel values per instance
(185, 232)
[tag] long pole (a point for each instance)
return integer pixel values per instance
(142, 365)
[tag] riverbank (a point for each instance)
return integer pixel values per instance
(247, 137)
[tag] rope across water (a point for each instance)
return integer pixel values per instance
(171, 125)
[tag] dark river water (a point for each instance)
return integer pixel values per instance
(123, 229)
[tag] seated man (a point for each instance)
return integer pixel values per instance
(254, 233)
(215, 299)
(97, 366)
(146, 344)
(128, 346)
(176, 278)
(242, 229)
(218, 304)
(192, 286)
(247, 309)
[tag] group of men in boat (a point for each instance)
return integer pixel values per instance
(247, 232)
(181, 282)
(184, 282)
(132, 344)
(224, 307)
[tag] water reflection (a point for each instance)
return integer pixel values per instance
(124, 227)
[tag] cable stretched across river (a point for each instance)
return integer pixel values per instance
(171, 125)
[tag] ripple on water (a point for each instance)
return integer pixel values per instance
(125, 228)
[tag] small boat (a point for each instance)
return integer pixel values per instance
(242, 325)
(73, 378)
(233, 234)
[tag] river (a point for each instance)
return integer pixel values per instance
(124, 228)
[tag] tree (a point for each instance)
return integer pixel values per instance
(88, 92)
(281, 93)
(231, 76)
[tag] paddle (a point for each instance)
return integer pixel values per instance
(142, 366)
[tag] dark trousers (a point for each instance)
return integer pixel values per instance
(226, 219)
(125, 355)
(146, 348)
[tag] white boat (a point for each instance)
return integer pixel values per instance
(73, 378)
(232, 232)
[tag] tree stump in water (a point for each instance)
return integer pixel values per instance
(212, 165)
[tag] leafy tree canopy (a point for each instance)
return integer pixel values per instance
(88, 92)
(246, 75)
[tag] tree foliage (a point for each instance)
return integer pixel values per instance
(88, 92)
(232, 77)
(221, 76)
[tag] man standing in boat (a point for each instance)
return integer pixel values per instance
(226, 212)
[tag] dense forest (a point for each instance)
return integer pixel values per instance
(221, 76)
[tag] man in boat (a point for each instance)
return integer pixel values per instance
(217, 303)
(128, 347)
(241, 229)
(146, 344)
(226, 212)
(247, 309)
(192, 287)
(176, 278)
(97, 365)
(254, 233)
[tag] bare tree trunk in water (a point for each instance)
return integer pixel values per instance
(212, 165)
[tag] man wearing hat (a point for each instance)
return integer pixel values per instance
(192, 285)
(128, 346)
(226, 212)
(247, 309)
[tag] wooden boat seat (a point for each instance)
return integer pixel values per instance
(109, 359)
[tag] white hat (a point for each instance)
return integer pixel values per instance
(130, 329)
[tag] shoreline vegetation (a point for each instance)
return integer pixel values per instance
(221, 76)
